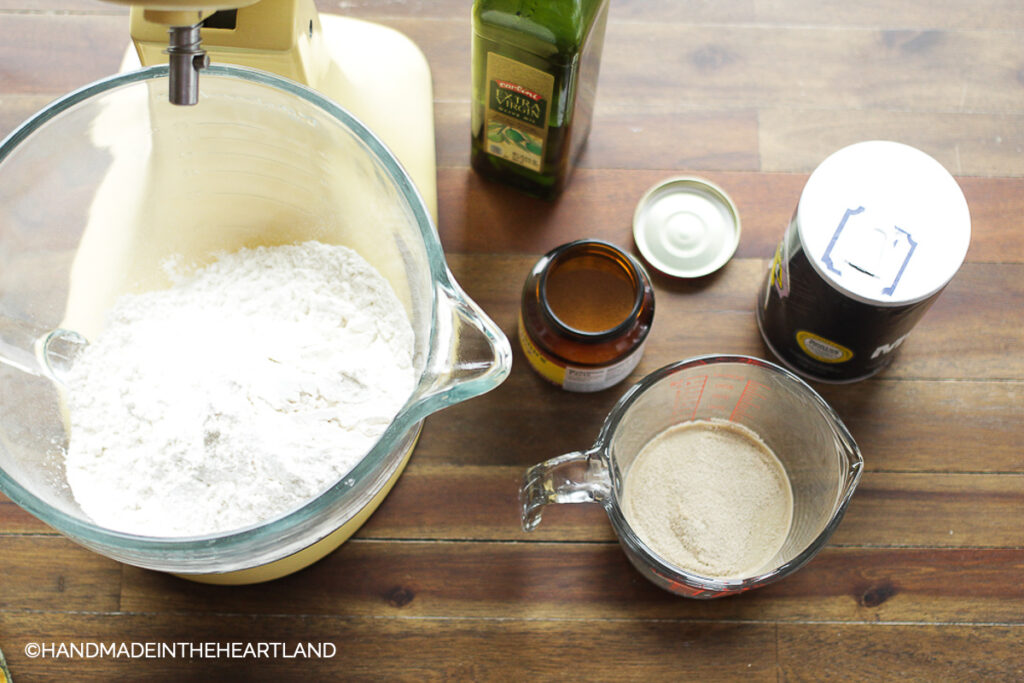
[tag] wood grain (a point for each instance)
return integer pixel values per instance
(677, 63)
(15, 520)
(595, 581)
(995, 15)
(922, 578)
(478, 216)
(623, 138)
(526, 420)
(52, 573)
(53, 54)
(933, 653)
(966, 143)
(488, 649)
(944, 345)
(888, 509)
(732, 97)
(370, 648)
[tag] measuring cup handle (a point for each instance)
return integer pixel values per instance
(580, 477)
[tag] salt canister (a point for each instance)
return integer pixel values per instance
(879, 231)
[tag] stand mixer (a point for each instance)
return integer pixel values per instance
(373, 71)
(300, 128)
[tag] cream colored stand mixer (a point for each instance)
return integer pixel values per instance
(107, 184)
(373, 71)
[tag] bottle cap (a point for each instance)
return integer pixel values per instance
(686, 227)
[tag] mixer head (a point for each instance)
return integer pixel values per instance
(373, 71)
(183, 20)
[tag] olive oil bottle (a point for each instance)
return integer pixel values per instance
(535, 68)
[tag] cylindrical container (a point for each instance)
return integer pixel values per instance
(879, 231)
(587, 308)
(821, 459)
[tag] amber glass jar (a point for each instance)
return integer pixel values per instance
(586, 311)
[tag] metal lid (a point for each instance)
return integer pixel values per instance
(686, 227)
(884, 222)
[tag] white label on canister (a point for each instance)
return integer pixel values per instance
(596, 379)
(884, 223)
(869, 255)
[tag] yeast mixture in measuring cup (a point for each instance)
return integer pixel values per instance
(709, 497)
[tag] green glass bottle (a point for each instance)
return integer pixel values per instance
(535, 68)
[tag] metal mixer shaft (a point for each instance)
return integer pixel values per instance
(185, 58)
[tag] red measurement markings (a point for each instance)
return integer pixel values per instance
(752, 394)
(688, 396)
(722, 393)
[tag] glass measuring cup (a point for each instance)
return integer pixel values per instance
(820, 457)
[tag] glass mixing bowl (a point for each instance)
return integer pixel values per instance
(99, 189)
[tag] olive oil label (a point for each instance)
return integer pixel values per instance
(518, 97)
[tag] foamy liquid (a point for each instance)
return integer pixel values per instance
(709, 497)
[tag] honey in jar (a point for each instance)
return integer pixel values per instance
(587, 309)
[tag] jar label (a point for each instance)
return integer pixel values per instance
(545, 367)
(822, 349)
(518, 97)
(596, 379)
(575, 377)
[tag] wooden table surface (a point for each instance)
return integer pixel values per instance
(924, 578)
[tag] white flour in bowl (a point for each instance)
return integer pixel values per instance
(239, 393)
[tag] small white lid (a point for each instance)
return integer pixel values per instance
(686, 227)
(884, 222)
